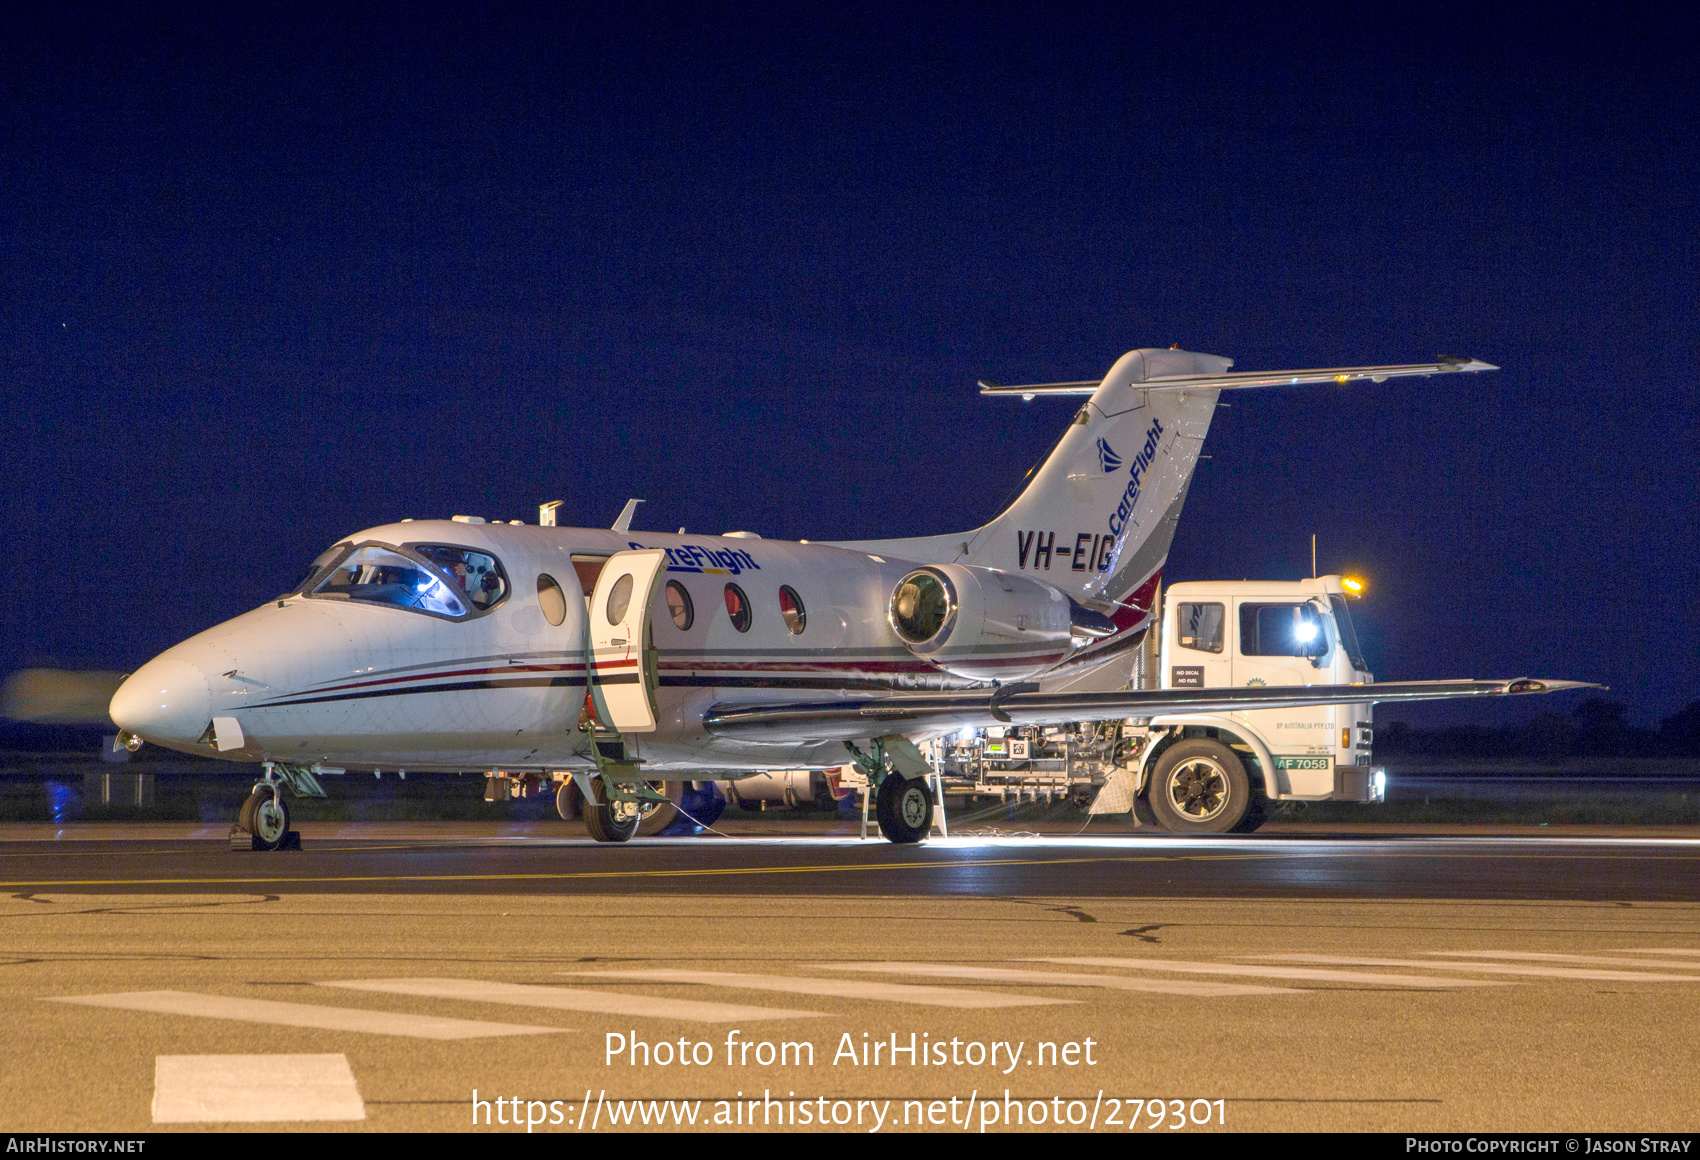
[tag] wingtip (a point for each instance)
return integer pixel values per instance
(1542, 685)
(1460, 363)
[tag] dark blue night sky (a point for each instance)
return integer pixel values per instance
(274, 275)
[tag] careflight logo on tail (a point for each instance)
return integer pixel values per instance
(1108, 457)
(1130, 497)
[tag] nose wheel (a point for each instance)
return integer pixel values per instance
(265, 818)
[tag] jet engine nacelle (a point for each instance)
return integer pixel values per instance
(982, 624)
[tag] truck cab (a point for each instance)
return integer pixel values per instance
(1217, 634)
(1203, 773)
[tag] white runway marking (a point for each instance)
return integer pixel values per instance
(304, 1015)
(1311, 973)
(838, 988)
(254, 1089)
(1578, 960)
(575, 999)
(1064, 979)
(1500, 969)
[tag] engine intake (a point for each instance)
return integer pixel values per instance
(985, 625)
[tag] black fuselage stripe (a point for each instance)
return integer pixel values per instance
(455, 687)
(860, 684)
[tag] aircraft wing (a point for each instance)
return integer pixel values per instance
(923, 713)
(1242, 380)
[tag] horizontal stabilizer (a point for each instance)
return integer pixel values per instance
(1243, 380)
(924, 713)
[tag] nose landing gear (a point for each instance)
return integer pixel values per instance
(263, 822)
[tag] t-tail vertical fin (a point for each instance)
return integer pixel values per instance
(1097, 517)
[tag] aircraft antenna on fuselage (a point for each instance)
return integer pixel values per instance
(624, 522)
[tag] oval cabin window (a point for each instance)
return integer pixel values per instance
(679, 605)
(791, 608)
(738, 608)
(551, 599)
(619, 599)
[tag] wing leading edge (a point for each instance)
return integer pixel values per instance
(915, 714)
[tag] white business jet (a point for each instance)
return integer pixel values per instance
(625, 658)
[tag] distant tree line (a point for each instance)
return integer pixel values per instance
(1595, 728)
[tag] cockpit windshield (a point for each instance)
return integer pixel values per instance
(478, 575)
(318, 566)
(383, 575)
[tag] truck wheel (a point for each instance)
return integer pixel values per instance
(1200, 787)
(1255, 815)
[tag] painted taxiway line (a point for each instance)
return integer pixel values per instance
(254, 1089)
(1573, 960)
(1313, 974)
(577, 875)
(1064, 979)
(835, 988)
(1495, 969)
(304, 1015)
(574, 999)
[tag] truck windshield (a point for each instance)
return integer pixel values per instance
(1348, 634)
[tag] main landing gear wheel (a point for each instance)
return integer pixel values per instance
(266, 817)
(611, 821)
(1200, 787)
(905, 808)
(653, 817)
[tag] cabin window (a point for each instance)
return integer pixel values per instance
(375, 574)
(1199, 626)
(551, 599)
(791, 608)
(619, 599)
(1281, 630)
(738, 608)
(679, 606)
(477, 575)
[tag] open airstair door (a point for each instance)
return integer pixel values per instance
(622, 666)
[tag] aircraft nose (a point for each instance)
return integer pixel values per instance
(166, 701)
